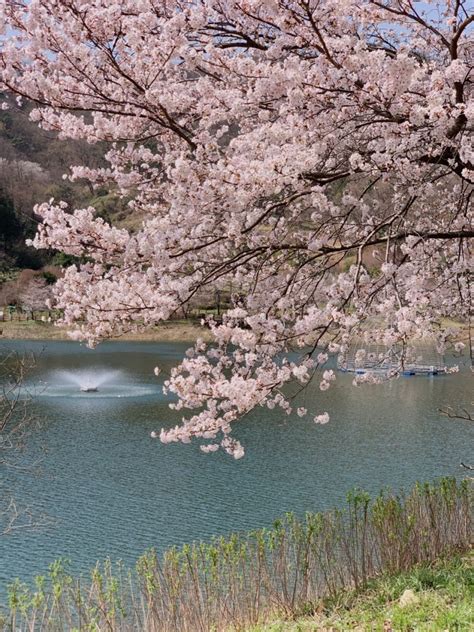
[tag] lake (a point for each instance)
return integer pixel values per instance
(113, 491)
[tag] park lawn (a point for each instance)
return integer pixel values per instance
(443, 601)
(31, 330)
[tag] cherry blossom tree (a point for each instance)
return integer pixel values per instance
(270, 145)
(35, 295)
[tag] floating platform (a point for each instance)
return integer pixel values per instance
(384, 362)
(406, 372)
(424, 370)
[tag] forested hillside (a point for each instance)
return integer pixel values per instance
(34, 164)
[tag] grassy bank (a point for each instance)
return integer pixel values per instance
(315, 566)
(172, 331)
(428, 598)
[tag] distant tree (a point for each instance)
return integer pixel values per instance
(22, 181)
(10, 227)
(28, 257)
(34, 295)
(262, 143)
(8, 294)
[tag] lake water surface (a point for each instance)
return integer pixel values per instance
(114, 492)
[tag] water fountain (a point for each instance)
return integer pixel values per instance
(94, 382)
(88, 380)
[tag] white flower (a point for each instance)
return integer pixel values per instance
(321, 419)
(211, 447)
(301, 373)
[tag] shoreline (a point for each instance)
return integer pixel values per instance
(169, 331)
(176, 331)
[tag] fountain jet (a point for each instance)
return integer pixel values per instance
(93, 383)
(88, 380)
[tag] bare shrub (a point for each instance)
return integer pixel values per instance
(17, 422)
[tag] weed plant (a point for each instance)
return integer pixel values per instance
(443, 599)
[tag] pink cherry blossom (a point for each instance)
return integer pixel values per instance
(321, 419)
(313, 160)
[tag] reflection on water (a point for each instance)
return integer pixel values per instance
(115, 491)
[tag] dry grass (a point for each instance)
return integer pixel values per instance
(170, 331)
(176, 331)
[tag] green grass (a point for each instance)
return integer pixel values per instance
(444, 594)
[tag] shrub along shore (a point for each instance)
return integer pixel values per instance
(243, 580)
(427, 598)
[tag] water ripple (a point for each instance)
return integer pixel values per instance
(115, 492)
